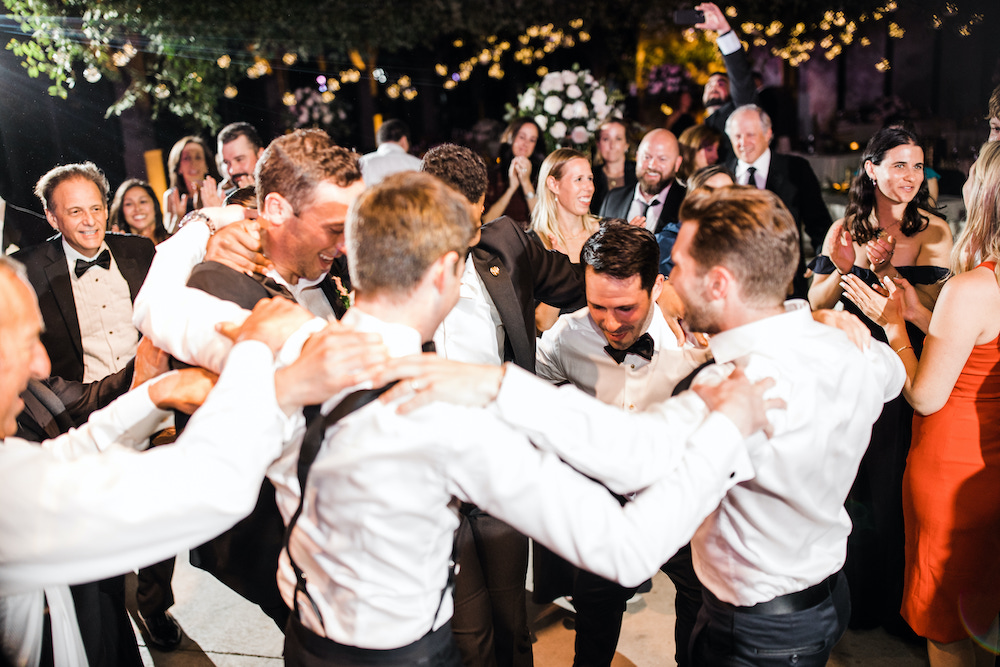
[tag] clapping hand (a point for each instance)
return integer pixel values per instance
(879, 252)
(883, 305)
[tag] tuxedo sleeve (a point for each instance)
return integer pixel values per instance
(816, 219)
(741, 86)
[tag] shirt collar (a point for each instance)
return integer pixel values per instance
(763, 335)
(389, 147)
(760, 164)
(660, 196)
(401, 340)
(72, 254)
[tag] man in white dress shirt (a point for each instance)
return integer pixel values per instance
(770, 555)
(620, 350)
(85, 506)
(374, 536)
(392, 155)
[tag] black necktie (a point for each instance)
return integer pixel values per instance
(103, 260)
(752, 177)
(646, 205)
(643, 346)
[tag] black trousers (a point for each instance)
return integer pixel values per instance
(153, 593)
(490, 623)
(727, 637)
(304, 648)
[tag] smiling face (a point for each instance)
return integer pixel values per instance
(657, 161)
(138, 211)
(239, 157)
(307, 242)
(575, 188)
(899, 175)
(620, 308)
(22, 356)
(525, 140)
(193, 166)
(612, 144)
(750, 138)
(80, 213)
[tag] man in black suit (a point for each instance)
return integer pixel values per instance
(656, 199)
(724, 91)
(70, 283)
(506, 272)
(788, 176)
(86, 281)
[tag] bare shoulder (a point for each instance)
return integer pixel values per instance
(937, 228)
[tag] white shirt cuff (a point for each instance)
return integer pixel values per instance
(729, 43)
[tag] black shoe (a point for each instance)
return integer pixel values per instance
(161, 631)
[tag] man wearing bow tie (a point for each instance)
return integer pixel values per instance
(85, 280)
(620, 350)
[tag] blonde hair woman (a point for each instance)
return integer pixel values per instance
(562, 218)
(951, 487)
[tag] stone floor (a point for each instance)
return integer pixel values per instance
(223, 629)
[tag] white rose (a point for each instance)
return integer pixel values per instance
(558, 130)
(574, 92)
(580, 109)
(542, 121)
(568, 112)
(552, 105)
(591, 125)
(528, 100)
(599, 98)
(569, 77)
(551, 83)
(579, 135)
(588, 78)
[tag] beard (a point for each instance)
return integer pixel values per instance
(716, 100)
(656, 187)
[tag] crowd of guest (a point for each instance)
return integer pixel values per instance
(731, 427)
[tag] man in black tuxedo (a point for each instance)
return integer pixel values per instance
(86, 281)
(788, 176)
(493, 322)
(656, 199)
(70, 283)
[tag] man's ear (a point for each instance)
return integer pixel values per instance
(52, 219)
(719, 281)
(446, 267)
(277, 209)
(654, 294)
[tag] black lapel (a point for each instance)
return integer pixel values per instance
(57, 273)
(501, 289)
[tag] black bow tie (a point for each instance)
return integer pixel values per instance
(103, 260)
(643, 347)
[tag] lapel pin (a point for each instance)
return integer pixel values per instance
(495, 270)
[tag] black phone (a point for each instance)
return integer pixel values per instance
(689, 16)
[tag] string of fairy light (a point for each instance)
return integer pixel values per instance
(795, 43)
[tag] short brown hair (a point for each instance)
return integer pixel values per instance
(398, 228)
(459, 167)
(294, 164)
(748, 231)
(87, 170)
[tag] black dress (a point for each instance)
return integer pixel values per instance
(601, 188)
(874, 566)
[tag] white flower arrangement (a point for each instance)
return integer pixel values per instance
(568, 106)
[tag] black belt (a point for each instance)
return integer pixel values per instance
(793, 602)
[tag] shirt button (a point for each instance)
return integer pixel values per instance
(632, 366)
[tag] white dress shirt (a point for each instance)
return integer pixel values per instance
(652, 213)
(472, 332)
(86, 506)
(573, 351)
(761, 164)
(104, 312)
(390, 158)
(786, 529)
(376, 531)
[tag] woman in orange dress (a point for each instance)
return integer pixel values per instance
(951, 487)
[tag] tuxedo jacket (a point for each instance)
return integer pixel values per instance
(619, 200)
(518, 272)
(741, 91)
(48, 273)
(793, 180)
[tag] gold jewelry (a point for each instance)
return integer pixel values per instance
(903, 348)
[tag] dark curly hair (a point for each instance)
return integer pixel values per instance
(459, 167)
